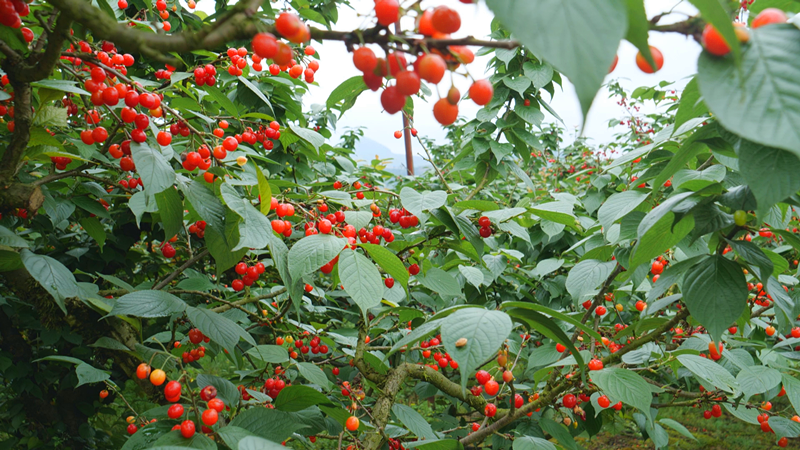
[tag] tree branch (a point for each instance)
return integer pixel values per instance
(180, 270)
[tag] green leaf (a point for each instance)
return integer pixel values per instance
(547, 327)
(754, 255)
(10, 239)
(220, 329)
(639, 28)
(756, 380)
(225, 389)
(264, 190)
(92, 206)
(53, 276)
(715, 291)
(298, 398)
(419, 333)
(348, 91)
(173, 440)
(579, 37)
(685, 154)
(109, 343)
(88, 374)
(485, 332)
(358, 219)
(170, 207)
(677, 427)
(254, 229)
(256, 91)
(554, 314)
(532, 443)
(660, 237)
(709, 372)
(312, 137)
(618, 206)
(416, 203)
(691, 106)
(257, 443)
(61, 85)
(233, 435)
(499, 149)
(559, 212)
(717, 14)
(558, 431)
(155, 171)
(388, 261)
(519, 84)
(314, 374)
(148, 303)
(625, 386)
(361, 279)
(440, 281)
(413, 421)
(312, 252)
(94, 229)
(586, 276)
(222, 101)
(268, 423)
(274, 354)
(473, 275)
(772, 174)
(784, 427)
(765, 109)
(792, 386)
(468, 229)
(539, 73)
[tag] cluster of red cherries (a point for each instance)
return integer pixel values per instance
(60, 162)
(198, 229)
(249, 275)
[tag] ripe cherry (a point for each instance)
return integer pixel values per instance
(175, 411)
(768, 17)
(603, 401)
(445, 112)
(352, 423)
(490, 410)
(387, 12)
(431, 68)
(413, 269)
(172, 389)
(600, 310)
(157, 377)
(508, 376)
(446, 20)
(644, 66)
(492, 387)
(265, 45)
(714, 42)
(560, 348)
(408, 82)
(210, 417)
(187, 429)
(143, 371)
(103, 394)
(132, 428)
(569, 401)
(595, 364)
(481, 92)
(483, 376)
(392, 100)
(364, 59)
(216, 404)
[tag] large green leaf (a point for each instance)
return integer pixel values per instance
(421, 332)
(625, 386)
(416, 202)
(558, 212)
(682, 156)
(257, 443)
(264, 190)
(772, 174)
(312, 252)
(766, 107)
(413, 421)
(225, 389)
(711, 373)
(619, 205)
(548, 328)
(154, 169)
(347, 93)
(298, 398)
(532, 443)
(255, 228)
(691, 106)
(269, 353)
(658, 238)
(88, 374)
(148, 303)
(268, 423)
(388, 261)
(95, 229)
(170, 207)
(756, 380)
(484, 330)
(792, 386)
(440, 282)
(361, 279)
(577, 37)
(220, 329)
(312, 137)
(314, 374)
(587, 276)
(639, 28)
(222, 101)
(53, 276)
(715, 291)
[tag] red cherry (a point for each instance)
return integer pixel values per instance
(492, 387)
(644, 66)
(387, 12)
(569, 401)
(187, 429)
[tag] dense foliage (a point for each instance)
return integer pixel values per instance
(188, 261)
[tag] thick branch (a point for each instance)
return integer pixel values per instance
(180, 269)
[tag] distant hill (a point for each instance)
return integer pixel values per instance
(367, 149)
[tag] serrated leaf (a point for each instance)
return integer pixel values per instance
(148, 303)
(715, 291)
(274, 354)
(709, 372)
(416, 202)
(312, 252)
(361, 279)
(587, 276)
(220, 329)
(155, 171)
(53, 276)
(485, 332)
(626, 386)
(298, 398)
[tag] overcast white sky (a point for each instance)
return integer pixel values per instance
(680, 62)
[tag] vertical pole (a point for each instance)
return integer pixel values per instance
(406, 129)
